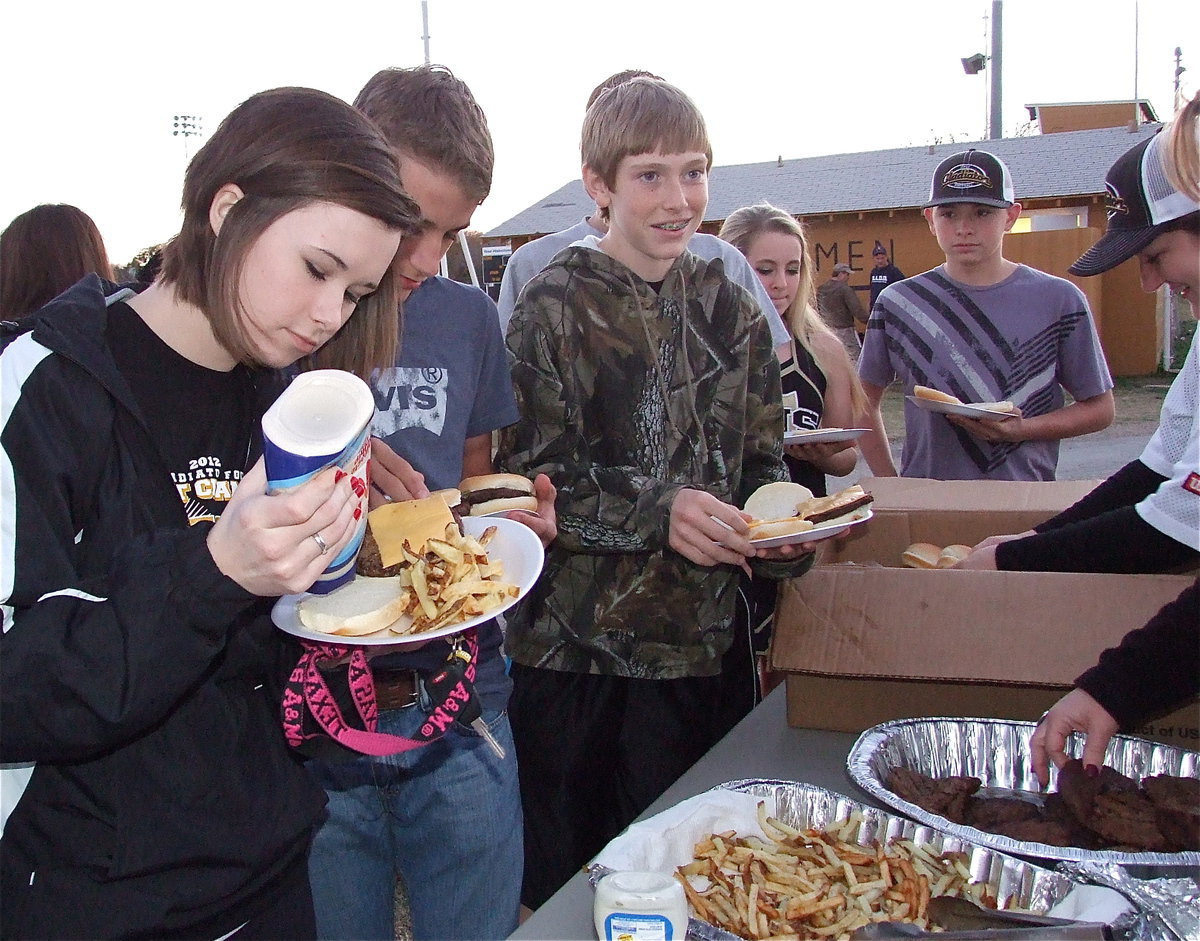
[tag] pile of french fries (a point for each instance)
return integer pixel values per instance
(804, 884)
(450, 582)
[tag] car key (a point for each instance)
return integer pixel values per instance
(470, 712)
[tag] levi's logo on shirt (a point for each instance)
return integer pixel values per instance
(410, 397)
(1191, 483)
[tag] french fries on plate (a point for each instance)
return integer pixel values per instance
(451, 581)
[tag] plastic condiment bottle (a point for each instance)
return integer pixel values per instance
(640, 906)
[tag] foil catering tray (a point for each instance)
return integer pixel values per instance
(997, 752)
(1016, 883)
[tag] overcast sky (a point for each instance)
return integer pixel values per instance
(90, 88)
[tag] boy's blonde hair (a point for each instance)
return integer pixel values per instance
(640, 116)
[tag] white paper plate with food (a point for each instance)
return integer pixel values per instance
(513, 545)
(823, 435)
(817, 533)
(785, 513)
(993, 412)
(840, 859)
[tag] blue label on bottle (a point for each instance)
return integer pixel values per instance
(630, 926)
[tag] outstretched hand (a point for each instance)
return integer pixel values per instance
(817, 453)
(1075, 712)
(983, 554)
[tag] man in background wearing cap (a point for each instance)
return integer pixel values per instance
(984, 329)
(884, 272)
(841, 309)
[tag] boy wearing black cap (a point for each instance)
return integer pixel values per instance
(983, 329)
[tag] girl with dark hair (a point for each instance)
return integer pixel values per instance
(43, 252)
(140, 552)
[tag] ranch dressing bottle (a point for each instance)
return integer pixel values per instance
(640, 906)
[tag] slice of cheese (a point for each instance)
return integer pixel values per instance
(414, 521)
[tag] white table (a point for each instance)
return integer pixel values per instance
(760, 746)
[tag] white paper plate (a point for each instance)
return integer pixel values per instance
(816, 534)
(823, 435)
(967, 411)
(515, 544)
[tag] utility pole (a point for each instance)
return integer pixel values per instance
(1137, 109)
(425, 27)
(995, 120)
(1177, 100)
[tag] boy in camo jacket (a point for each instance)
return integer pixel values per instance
(649, 393)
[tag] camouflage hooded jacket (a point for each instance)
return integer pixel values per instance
(627, 396)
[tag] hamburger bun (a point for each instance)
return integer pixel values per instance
(364, 606)
(496, 493)
(933, 395)
(777, 501)
(952, 555)
(770, 529)
(921, 555)
(451, 495)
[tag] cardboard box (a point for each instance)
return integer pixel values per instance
(864, 640)
(908, 510)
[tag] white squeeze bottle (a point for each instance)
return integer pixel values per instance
(640, 906)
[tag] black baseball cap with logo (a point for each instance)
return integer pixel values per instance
(1140, 202)
(972, 176)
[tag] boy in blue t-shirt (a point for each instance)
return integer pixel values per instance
(444, 818)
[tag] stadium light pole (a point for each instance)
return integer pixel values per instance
(188, 125)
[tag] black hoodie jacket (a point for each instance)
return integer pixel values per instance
(136, 677)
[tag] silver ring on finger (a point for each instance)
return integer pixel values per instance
(321, 543)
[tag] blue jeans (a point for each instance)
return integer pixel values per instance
(446, 817)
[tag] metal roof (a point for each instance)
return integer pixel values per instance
(1069, 163)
